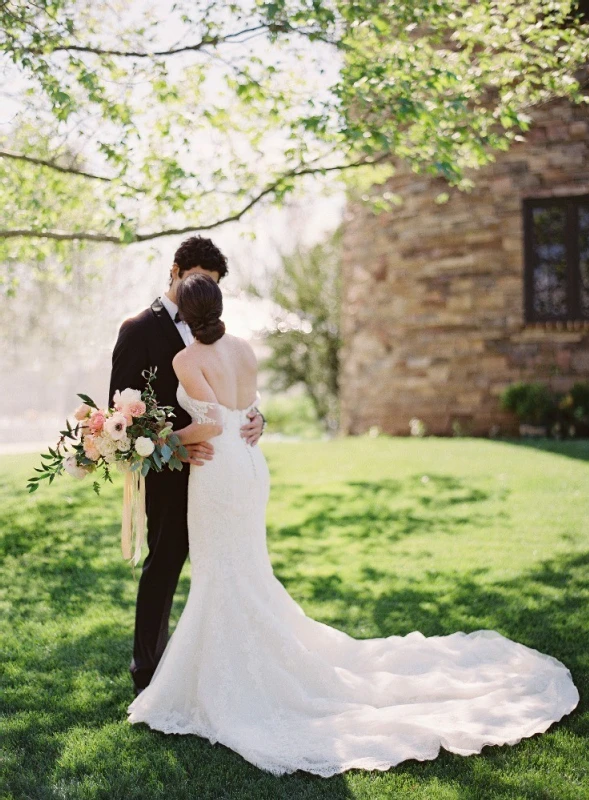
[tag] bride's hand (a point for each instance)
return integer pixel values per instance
(252, 430)
(198, 453)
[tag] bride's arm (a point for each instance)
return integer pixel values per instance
(200, 391)
(198, 432)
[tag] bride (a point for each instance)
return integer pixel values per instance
(246, 667)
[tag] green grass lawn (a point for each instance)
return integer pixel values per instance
(376, 536)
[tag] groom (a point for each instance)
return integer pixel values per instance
(152, 339)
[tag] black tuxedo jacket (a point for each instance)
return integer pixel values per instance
(151, 339)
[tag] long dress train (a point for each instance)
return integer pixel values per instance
(246, 667)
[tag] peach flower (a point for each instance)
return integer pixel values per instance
(82, 411)
(90, 448)
(135, 409)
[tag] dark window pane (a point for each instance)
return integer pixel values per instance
(582, 10)
(584, 259)
(550, 265)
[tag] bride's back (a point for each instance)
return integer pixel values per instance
(229, 369)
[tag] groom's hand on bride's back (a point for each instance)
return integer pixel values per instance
(198, 453)
(252, 430)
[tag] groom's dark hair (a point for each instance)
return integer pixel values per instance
(200, 252)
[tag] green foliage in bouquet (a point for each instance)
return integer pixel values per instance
(134, 435)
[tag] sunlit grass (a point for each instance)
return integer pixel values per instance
(292, 415)
(376, 536)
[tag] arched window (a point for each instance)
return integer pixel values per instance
(556, 250)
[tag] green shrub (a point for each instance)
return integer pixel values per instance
(532, 403)
(580, 395)
(574, 409)
(565, 414)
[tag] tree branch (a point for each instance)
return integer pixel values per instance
(145, 237)
(206, 41)
(42, 162)
(61, 236)
(52, 165)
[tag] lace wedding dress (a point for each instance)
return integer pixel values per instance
(246, 667)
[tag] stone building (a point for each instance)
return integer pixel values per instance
(445, 305)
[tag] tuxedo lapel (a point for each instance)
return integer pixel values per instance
(167, 327)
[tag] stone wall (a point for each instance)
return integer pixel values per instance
(433, 321)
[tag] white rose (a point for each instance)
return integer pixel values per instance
(105, 445)
(70, 465)
(144, 446)
(124, 444)
(116, 426)
(126, 397)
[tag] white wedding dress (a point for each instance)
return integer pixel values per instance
(246, 667)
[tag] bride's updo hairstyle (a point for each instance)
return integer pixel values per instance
(200, 305)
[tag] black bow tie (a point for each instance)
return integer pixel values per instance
(177, 318)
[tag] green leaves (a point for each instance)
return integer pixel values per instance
(304, 340)
(71, 444)
(51, 466)
(88, 400)
(117, 130)
(166, 453)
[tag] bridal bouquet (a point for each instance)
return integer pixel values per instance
(135, 435)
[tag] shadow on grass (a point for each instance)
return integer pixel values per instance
(65, 692)
(572, 448)
(388, 510)
(64, 557)
(66, 735)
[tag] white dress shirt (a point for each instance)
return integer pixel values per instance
(183, 328)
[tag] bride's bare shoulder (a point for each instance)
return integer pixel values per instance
(246, 351)
(186, 359)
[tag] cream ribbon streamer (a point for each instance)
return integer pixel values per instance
(133, 525)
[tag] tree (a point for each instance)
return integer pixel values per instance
(304, 340)
(131, 122)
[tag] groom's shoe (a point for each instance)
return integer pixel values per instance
(138, 691)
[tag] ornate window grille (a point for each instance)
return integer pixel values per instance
(556, 259)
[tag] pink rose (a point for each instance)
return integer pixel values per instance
(129, 403)
(96, 421)
(82, 411)
(135, 409)
(90, 448)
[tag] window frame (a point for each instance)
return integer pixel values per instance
(571, 204)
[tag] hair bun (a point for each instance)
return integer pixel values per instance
(210, 331)
(200, 304)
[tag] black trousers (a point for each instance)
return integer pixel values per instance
(166, 502)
